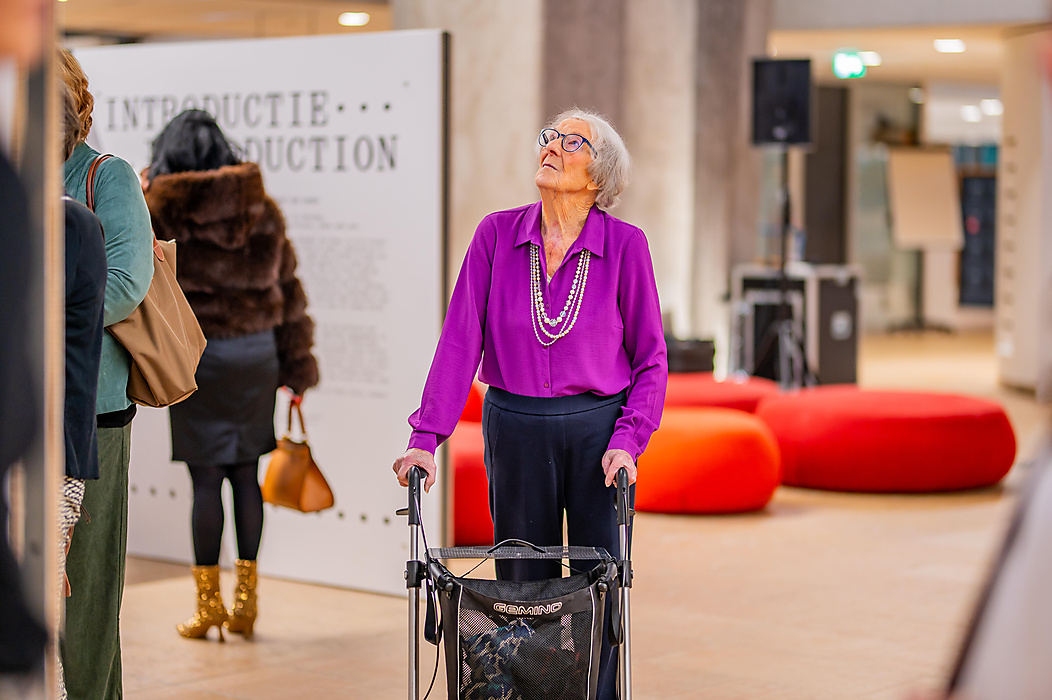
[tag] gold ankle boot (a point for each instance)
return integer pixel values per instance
(210, 611)
(243, 615)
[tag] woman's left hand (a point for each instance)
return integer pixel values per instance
(613, 460)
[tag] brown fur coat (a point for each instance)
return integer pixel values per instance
(234, 262)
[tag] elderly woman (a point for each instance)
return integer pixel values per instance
(558, 301)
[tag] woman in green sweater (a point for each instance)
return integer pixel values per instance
(95, 564)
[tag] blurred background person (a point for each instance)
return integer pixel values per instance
(22, 636)
(237, 269)
(95, 565)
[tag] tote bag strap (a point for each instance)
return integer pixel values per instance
(295, 407)
(90, 198)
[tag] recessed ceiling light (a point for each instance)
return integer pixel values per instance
(354, 19)
(992, 107)
(869, 58)
(971, 113)
(917, 95)
(949, 45)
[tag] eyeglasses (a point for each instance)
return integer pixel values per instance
(570, 142)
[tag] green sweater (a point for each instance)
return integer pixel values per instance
(120, 206)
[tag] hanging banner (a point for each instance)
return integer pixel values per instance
(349, 133)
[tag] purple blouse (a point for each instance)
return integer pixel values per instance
(616, 343)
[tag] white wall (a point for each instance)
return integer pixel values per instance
(1024, 209)
(943, 122)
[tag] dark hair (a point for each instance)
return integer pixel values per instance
(191, 141)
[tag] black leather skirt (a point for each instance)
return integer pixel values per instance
(230, 418)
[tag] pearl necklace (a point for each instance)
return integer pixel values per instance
(568, 316)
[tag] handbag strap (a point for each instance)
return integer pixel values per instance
(90, 198)
(295, 407)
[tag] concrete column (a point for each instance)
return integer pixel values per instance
(727, 177)
(584, 58)
(658, 127)
(495, 110)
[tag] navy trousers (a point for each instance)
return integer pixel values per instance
(544, 459)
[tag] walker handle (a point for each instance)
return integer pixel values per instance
(414, 494)
(623, 511)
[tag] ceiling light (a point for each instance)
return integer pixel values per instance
(992, 107)
(354, 19)
(869, 58)
(971, 113)
(917, 95)
(949, 45)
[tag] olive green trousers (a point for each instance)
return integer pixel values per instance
(91, 650)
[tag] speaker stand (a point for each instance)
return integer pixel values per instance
(791, 368)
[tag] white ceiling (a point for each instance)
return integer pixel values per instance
(192, 19)
(908, 53)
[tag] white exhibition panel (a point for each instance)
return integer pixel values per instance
(348, 131)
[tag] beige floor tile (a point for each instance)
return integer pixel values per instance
(174, 693)
(823, 595)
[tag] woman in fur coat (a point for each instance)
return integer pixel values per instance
(237, 269)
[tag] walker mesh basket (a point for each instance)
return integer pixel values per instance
(523, 640)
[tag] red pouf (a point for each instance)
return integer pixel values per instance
(708, 460)
(473, 406)
(844, 439)
(472, 524)
(701, 389)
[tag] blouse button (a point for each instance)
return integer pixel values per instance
(546, 385)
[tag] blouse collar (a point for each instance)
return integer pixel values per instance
(592, 237)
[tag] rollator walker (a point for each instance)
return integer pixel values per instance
(520, 640)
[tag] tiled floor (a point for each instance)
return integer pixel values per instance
(823, 595)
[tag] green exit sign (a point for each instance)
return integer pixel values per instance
(848, 64)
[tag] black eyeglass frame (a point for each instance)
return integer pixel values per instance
(562, 141)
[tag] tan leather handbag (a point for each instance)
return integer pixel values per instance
(293, 478)
(162, 334)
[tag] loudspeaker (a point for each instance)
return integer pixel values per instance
(823, 301)
(781, 101)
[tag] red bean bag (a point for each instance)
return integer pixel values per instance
(473, 406)
(708, 460)
(472, 524)
(843, 439)
(701, 389)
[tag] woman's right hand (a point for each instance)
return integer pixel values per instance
(415, 457)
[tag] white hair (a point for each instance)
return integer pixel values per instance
(610, 161)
